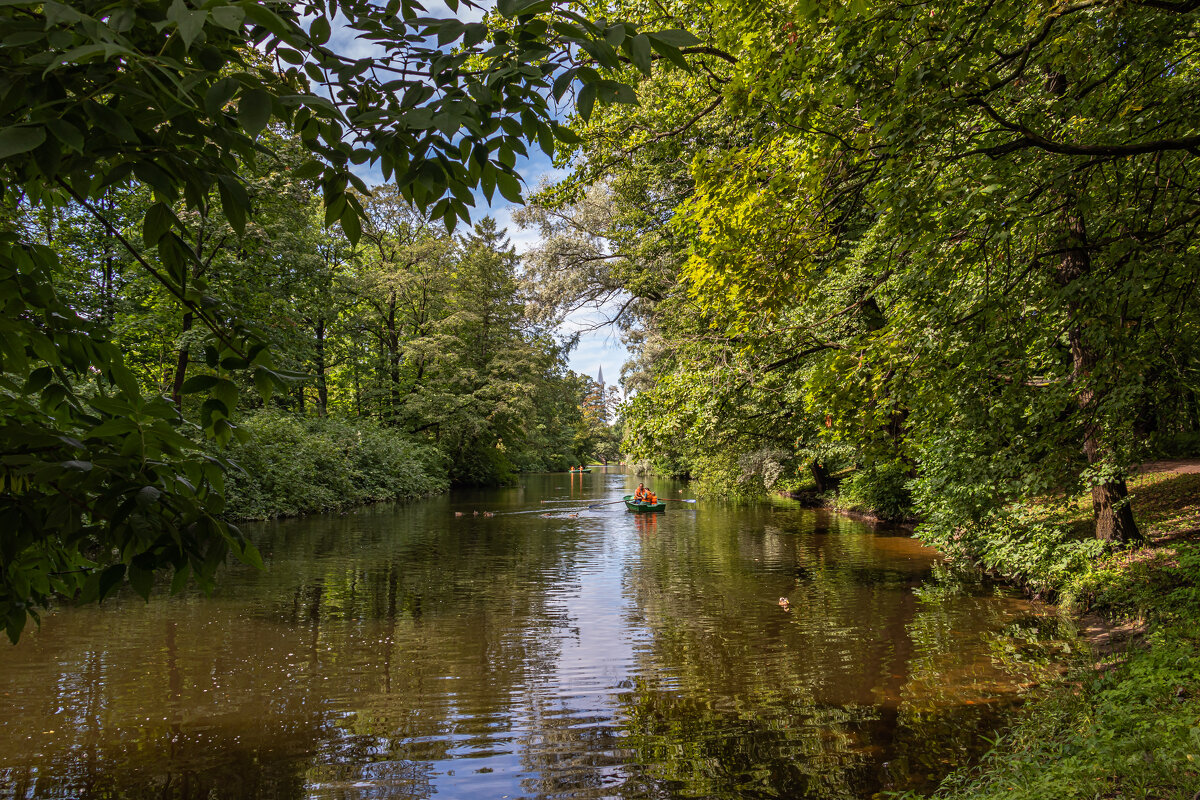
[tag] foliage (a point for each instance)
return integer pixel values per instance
(183, 109)
(881, 489)
(1042, 556)
(101, 484)
(1129, 731)
(1125, 727)
(920, 233)
(294, 465)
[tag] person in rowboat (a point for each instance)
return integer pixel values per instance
(644, 495)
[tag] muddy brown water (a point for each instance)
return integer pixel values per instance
(404, 652)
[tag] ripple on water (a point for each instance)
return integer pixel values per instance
(406, 652)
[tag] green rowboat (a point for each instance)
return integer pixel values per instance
(643, 508)
(580, 470)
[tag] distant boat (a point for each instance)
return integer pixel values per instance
(589, 469)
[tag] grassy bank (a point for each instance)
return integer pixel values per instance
(300, 465)
(1125, 722)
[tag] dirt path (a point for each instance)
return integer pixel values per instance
(1180, 466)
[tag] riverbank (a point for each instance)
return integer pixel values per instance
(1125, 721)
(292, 465)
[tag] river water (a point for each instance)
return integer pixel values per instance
(406, 652)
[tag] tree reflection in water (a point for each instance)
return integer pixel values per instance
(401, 652)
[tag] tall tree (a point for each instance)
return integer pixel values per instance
(956, 237)
(97, 94)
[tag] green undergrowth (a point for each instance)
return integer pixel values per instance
(299, 465)
(880, 490)
(1125, 722)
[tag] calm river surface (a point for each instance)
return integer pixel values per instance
(404, 652)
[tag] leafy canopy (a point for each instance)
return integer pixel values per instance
(103, 483)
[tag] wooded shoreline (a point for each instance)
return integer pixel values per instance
(1122, 717)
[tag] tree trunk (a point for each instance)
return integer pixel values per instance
(393, 345)
(1110, 499)
(181, 364)
(1111, 510)
(821, 477)
(322, 386)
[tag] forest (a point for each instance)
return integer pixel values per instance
(934, 261)
(417, 337)
(951, 246)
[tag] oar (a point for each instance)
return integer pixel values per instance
(614, 502)
(675, 500)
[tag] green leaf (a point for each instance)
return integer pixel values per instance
(586, 100)
(565, 134)
(562, 83)
(351, 224)
(66, 134)
(158, 220)
(254, 110)
(110, 579)
(148, 496)
(228, 17)
(14, 622)
(674, 37)
(509, 186)
(545, 137)
(189, 23)
(309, 169)
(639, 52)
(672, 54)
(199, 383)
(180, 579)
(142, 581)
(20, 139)
(234, 202)
(319, 30)
(289, 55)
(249, 555)
(218, 95)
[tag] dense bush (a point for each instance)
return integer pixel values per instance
(295, 465)
(1042, 555)
(1176, 445)
(881, 489)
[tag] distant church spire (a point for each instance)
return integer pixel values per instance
(600, 376)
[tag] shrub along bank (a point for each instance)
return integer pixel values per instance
(1125, 723)
(297, 465)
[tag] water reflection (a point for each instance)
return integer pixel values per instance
(549, 651)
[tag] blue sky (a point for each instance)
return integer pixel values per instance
(597, 348)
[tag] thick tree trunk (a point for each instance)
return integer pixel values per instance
(1110, 499)
(821, 477)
